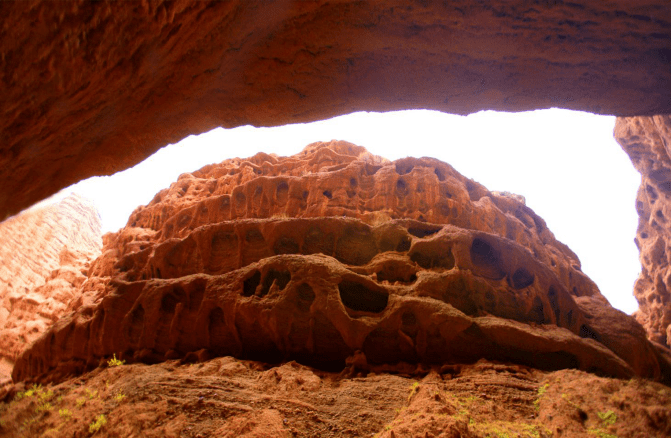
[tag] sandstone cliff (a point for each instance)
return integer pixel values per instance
(647, 140)
(44, 254)
(91, 88)
(334, 257)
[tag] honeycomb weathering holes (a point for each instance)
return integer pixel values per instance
(357, 296)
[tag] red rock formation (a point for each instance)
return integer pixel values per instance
(647, 141)
(44, 254)
(90, 88)
(334, 256)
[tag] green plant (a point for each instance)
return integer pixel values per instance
(80, 402)
(98, 424)
(43, 407)
(607, 418)
(65, 413)
(114, 362)
(119, 396)
(414, 388)
(541, 392)
(91, 394)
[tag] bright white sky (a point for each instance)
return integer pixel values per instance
(567, 165)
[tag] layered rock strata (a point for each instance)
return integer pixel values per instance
(91, 88)
(647, 140)
(44, 255)
(334, 257)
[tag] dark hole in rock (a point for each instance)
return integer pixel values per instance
(282, 191)
(258, 190)
(430, 261)
(652, 193)
(423, 232)
(305, 194)
(554, 303)
(401, 187)
(356, 296)
(328, 194)
(249, 285)
(286, 245)
(486, 259)
(353, 183)
(371, 169)
(168, 303)
(448, 194)
(587, 332)
(254, 236)
(158, 273)
(196, 294)
(522, 278)
(393, 272)
(281, 278)
(403, 245)
(403, 167)
(439, 173)
(569, 318)
(305, 292)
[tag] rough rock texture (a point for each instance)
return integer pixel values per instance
(647, 140)
(44, 254)
(334, 257)
(226, 397)
(90, 88)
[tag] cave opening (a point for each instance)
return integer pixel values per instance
(565, 163)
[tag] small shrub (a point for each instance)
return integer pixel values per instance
(98, 424)
(80, 402)
(413, 390)
(114, 362)
(65, 413)
(119, 397)
(608, 418)
(91, 394)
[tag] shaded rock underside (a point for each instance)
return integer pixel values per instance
(91, 88)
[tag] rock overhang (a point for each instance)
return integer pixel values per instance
(93, 88)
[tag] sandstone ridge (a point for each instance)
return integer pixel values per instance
(647, 141)
(45, 253)
(335, 257)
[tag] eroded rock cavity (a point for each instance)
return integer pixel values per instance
(335, 256)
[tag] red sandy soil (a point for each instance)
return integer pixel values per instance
(227, 397)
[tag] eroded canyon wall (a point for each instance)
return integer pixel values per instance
(44, 255)
(334, 256)
(90, 88)
(647, 140)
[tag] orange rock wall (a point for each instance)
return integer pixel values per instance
(91, 88)
(44, 255)
(333, 257)
(647, 140)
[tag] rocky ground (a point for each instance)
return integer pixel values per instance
(227, 397)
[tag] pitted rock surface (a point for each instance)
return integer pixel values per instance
(91, 88)
(647, 140)
(335, 256)
(44, 255)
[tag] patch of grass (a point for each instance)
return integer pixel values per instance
(65, 413)
(607, 418)
(119, 396)
(114, 362)
(414, 388)
(80, 402)
(98, 424)
(541, 393)
(91, 394)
